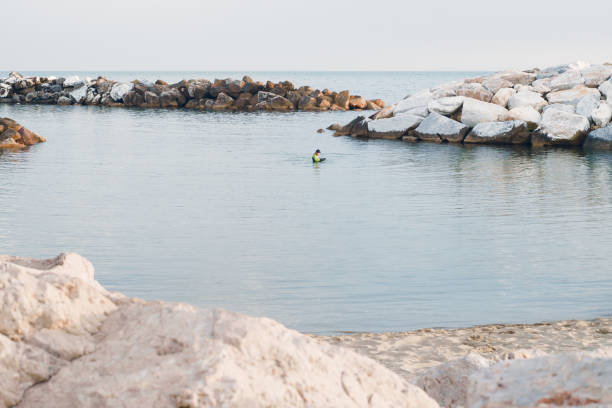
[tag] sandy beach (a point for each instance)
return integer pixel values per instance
(412, 352)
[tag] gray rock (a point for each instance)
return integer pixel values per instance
(561, 106)
(438, 128)
(572, 96)
(552, 71)
(72, 81)
(494, 84)
(542, 86)
(596, 75)
(419, 101)
(600, 139)
(263, 96)
(119, 89)
(511, 132)
(527, 114)
(567, 80)
(502, 96)
(560, 128)
(586, 106)
(446, 106)
(606, 90)
(527, 98)
(602, 115)
(475, 112)
(63, 100)
(393, 128)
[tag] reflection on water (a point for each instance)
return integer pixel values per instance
(228, 210)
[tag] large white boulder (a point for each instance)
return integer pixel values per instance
(475, 112)
(516, 77)
(415, 104)
(438, 128)
(510, 132)
(596, 75)
(602, 115)
(526, 114)
(542, 86)
(567, 80)
(494, 84)
(502, 96)
(119, 90)
(393, 128)
(560, 128)
(560, 106)
(586, 106)
(574, 379)
(72, 81)
(573, 96)
(527, 98)
(606, 90)
(79, 94)
(476, 91)
(446, 106)
(175, 355)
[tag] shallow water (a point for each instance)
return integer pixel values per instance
(221, 209)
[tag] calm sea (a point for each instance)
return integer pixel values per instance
(227, 210)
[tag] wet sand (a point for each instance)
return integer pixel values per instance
(410, 353)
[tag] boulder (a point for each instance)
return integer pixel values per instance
(502, 96)
(446, 106)
(573, 96)
(72, 81)
(606, 90)
(342, 100)
(527, 98)
(448, 382)
(602, 115)
(596, 75)
(280, 103)
(5, 90)
(172, 98)
(263, 96)
(10, 143)
(348, 128)
(379, 102)
(573, 379)
(384, 113)
(198, 89)
(28, 138)
(438, 128)
(526, 114)
(567, 80)
(560, 128)
(120, 89)
(494, 84)
(415, 104)
(151, 100)
(64, 100)
(542, 86)
(586, 106)
(510, 132)
(600, 139)
(446, 90)
(9, 134)
(223, 102)
(372, 106)
(133, 98)
(308, 103)
(475, 112)
(79, 94)
(517, 77)
(393, 128)
(476, 91)
(357, 102)
(560, 106)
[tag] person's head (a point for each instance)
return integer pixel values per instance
(317, 151)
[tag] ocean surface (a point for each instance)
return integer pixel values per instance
(227, 210)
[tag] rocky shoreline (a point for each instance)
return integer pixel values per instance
(65, 341)
(201, 94)
(567, 105)
(15, 136)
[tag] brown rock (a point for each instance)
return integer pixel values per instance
(334, 126)
(28, 137)
(9, 134)
(280, 103)
(335, 107)
(384, 113)
(160, 82)
(223, 102)
(133, 98)
(151, 100)
(263, 106)
(379, 102)
(357, 102)
(475, 91)
(372, 106)
(9, 123)
(342, 99)
(307, 103)
(320, 131)
(325, 104)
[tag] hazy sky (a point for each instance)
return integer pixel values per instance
(302, 35)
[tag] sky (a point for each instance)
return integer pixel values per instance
(285, 35)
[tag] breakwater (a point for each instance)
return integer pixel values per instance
(568, 105)
(219, 95)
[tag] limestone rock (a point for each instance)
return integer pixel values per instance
(567, 80)
(517, 77)
(510, 132)
(527, 98)
(416, 103)
(526, 114)
(573, 96)
(438, 128)
(600, 139)
(72, 81)
(606, 90)
(542, 86)
(475, 112)
(393, 128)
(494, 84)
(596, 75)
(384, 113)
(161, 354)
(574, 379)
(475, 91)
(448, 382)
(446, 106)
(586, 106)
(560, 106)
(560, 128)
(118, 90)
(602, 115)
(502, 96)
(79, 94)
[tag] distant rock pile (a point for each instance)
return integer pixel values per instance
(567, 105)
(15, 136)
(218, 95)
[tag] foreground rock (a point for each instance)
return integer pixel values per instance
(600, 139)
(438, 128)
(559, 105)
(155, 354)
(15, 136)
(220, 95)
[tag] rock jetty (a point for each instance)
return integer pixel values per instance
(566, 105)
(219, 95)
(65, 341)
(15, 136)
